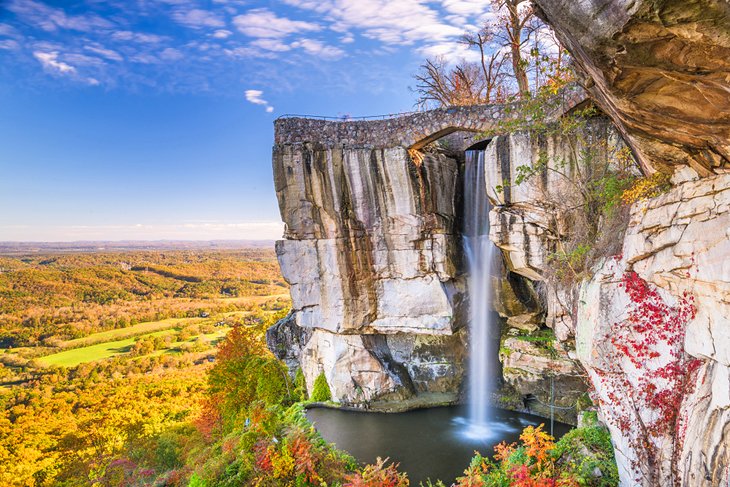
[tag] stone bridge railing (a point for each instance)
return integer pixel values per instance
(412, 130)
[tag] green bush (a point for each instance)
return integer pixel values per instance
(300, 386)
(321, 390)
(583, 450)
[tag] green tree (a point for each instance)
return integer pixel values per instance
(321, 390)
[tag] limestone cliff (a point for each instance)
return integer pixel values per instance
(371, 254)
(679, 245)
(650, 327)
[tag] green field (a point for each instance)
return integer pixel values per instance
(142, 329)
(92, 353)
(130, 331)
(101, 351)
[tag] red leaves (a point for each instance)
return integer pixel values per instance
(378, 475)
(646, 398)
(262, 454)
(302, 450)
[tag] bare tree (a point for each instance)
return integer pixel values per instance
(512, 50)
(513, 28)
(491, 60)
(462, 84)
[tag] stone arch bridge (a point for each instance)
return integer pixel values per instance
(411, 130)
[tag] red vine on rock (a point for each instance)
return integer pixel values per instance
(646, 400)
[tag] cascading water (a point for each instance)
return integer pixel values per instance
(479, 253)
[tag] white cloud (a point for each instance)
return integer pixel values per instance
(102, 51)
(139, 37)
(271, 45)
(222, 34)
(449, 51)
(436, 31)
(404, 22)
(464, 8)
(145, 58)
(261, 22)
(249, 52)
(50, 62)
(9, 45)
(319, 49)
(171, 54)
(8, 30)
(77, 59)
(51, 19)
(197, 18)
(255, 97)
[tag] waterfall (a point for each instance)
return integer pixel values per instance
(479, 255)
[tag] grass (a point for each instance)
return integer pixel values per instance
(93, 353)
(166, 324)
(101, 351)
(129, 331)
(119, 342)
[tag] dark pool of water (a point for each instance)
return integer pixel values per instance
(434, 443)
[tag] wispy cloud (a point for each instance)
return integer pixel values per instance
(171, 54)
(319, 49)
(51, 63)
(49, 60)
(139, 37)
(147, 42)
(255, 97)
(106, 53)
(403, 22)
(50, 19)
(262, 22)
(197, 18)
(9, 45)
(222, 34)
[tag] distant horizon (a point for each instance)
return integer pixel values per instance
(200, 230)
(14, 247)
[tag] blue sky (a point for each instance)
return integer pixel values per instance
(152, 119)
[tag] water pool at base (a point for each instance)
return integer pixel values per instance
(434, 443)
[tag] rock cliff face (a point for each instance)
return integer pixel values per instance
(372, 254)
(650, 327)
(660, 69)
(678, 244)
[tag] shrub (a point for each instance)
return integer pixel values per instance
(321, 390)
(378, 475)
(244, 372)
(537, 461)
(649, 187)
(300, 386)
